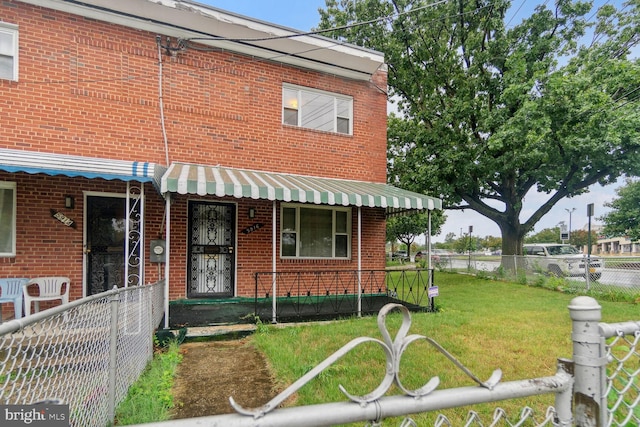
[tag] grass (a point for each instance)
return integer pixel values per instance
(485, 324)
(150, 398)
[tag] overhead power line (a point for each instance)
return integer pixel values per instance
(318, 32)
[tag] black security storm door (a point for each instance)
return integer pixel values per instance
(211, 250)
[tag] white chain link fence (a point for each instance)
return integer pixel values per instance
(623, 372)
(85, 354)
(612, 275)
(88, 353)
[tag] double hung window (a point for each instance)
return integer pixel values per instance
(315, 232)
(7, 219)
(314, 109)
(8, 51)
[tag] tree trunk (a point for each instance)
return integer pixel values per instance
(512, 240)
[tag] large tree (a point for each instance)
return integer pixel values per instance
(491, 108)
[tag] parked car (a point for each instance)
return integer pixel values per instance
(561, 260)
(436, 255)
(400, 256)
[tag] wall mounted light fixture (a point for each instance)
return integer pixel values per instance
(252, 212)
(69, 202)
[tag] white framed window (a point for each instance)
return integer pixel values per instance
(7, 219)
(315, 109)
(315, 232)
(8, 51)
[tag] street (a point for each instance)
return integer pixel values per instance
(626, 278)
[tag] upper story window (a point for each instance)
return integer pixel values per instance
(315, 232)
(8, 51)
(314, 109)
(7, 219)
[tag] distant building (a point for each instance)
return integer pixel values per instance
(618, 246)
(613, 245)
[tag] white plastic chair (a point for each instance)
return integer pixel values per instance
(50, 289)
(11, 291)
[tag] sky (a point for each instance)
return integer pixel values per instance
(303, 15)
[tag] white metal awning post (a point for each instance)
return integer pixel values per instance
(273, 263)
(359, 262)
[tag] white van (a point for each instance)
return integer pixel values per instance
(562, 260)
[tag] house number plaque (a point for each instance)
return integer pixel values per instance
(252, 228)
(63, 218)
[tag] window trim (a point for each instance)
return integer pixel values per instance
(10, 185)
(336, 97)
(334, 233)
(12, 30)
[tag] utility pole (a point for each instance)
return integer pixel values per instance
(570, 212)
(470, 231)
(589, 214)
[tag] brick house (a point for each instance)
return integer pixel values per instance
(143, 140)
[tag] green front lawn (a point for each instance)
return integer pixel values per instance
(485, 324)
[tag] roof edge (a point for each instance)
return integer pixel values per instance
(188, 19)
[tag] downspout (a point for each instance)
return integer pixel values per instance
(273, 263)
(359, 261)
(168, 194)
(167, 254)
(161, 101)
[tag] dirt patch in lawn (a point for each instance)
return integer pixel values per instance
(213, 371)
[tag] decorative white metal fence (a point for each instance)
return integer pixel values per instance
(85, 354)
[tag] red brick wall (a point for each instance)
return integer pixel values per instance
(91, 88)
(254, 250)
(45, 246)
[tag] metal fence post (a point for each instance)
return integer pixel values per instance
(151, 326)
(587, 275)
(113, 355)
(564, 399)
(590, 361)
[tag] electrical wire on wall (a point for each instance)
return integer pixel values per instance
(166, 153)
(160, 101)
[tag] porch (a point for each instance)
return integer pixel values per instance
(311, 295)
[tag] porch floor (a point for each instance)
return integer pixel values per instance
(214, 312)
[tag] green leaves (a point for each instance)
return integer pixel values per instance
(407, 228)
(624, 218)
(491, 111)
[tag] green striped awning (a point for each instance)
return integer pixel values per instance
(219, 181)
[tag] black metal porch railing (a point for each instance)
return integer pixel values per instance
(287, 296)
